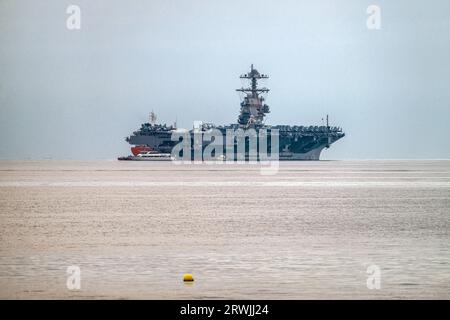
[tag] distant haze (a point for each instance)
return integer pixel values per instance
(76, 94)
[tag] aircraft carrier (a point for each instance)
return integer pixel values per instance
(297, 142)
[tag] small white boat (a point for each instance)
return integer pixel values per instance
(153, 156)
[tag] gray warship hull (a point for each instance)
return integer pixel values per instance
(295, 143)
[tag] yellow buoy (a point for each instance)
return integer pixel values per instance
(188, 277)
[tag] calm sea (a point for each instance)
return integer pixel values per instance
(312, 230)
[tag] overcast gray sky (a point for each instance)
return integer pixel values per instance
(77, 94)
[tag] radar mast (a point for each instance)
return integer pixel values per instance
(253, 108)
(152, 118)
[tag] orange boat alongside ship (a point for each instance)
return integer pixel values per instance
(146, 153)
(140, 149)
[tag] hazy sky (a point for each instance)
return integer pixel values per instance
(77, 94)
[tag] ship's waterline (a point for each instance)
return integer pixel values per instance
(313, 230)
